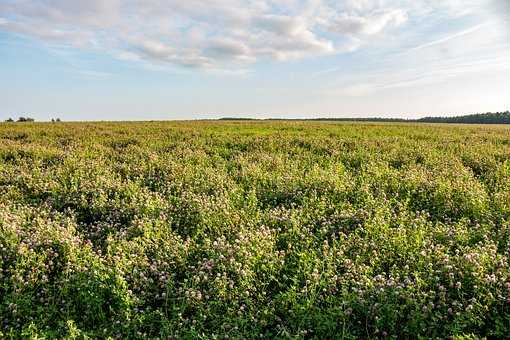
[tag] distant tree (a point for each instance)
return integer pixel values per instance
(25, 119)
(53, 120)
(57, 120)
(9, 120)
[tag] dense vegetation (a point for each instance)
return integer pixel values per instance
(254, 229)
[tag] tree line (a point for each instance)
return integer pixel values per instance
(20, 119)
(481, 118)
(28, 119)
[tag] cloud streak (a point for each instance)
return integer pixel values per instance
(449, 37)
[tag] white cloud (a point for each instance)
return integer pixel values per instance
(157, 50)
(281, 24)
(90, 13)
(215, 34)
(49, 33)
(230, 49)
(370, 24)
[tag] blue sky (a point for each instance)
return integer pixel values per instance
(175, 59)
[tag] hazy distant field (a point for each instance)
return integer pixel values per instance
(281, 229)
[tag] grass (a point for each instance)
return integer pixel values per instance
(254, 229)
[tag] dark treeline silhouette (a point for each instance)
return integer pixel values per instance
(237, 118)
(20, 119)
(482, 118)
(25, 119)
(28, 119)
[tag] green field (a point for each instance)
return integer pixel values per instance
(254, 229)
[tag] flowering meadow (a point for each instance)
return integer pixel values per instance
(217, 230)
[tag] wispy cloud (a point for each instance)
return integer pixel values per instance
(449, 37)
(412, 77)
(91, 74)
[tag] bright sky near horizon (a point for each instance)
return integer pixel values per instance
(186, 59)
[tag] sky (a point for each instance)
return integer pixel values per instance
(204, 59)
